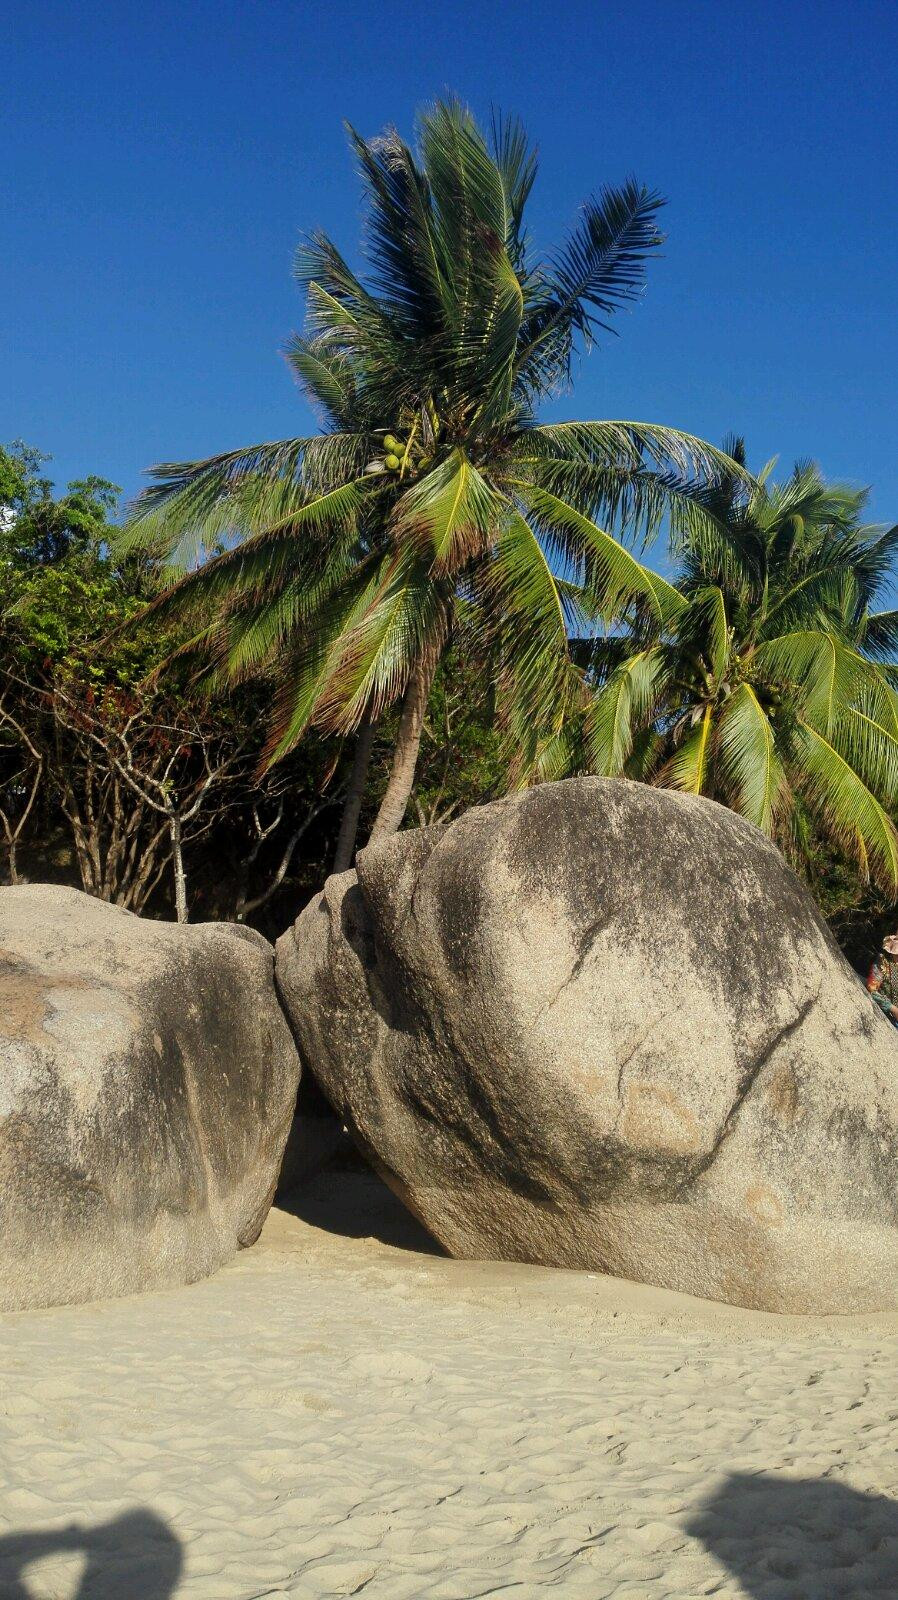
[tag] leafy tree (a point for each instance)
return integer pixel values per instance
(770, 687)
(155, 787)
(344, 558)
(35, 527)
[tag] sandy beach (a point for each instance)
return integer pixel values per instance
(344, 1411)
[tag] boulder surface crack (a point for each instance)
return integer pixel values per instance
(584, 949)
(747, 1081)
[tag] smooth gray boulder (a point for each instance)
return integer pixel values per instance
(600, 1025)
(147, 1085)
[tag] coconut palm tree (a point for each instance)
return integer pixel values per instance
(433, 498)
(771, 687)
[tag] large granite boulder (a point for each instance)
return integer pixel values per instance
(601, 1025)
(147, 1085)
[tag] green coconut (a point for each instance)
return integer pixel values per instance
(391, 443)
(392, 461)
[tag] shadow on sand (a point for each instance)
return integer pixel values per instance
(349, 1199)
(134, 1557)
(810, 1537)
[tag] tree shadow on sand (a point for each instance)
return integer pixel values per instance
(133, 1557)
(802, 1539)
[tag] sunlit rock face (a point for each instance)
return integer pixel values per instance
(600, 1025)
(147, 1084)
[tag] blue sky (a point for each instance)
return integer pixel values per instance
(160, 160)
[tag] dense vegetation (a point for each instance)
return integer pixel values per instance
(770, 688)
(78, 700)
(109, 773)
(437, 597)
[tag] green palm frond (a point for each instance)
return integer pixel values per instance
(871, 746)
(610, 574)
(748, 760)
(706, 625)
(194, 503)
(316, 534)
(600, 654)
(526, 615)
(828, 672)
(316, 654)
(516, 161)
(619, 711)
(326, 375)
(689, 768)
(633, 502)
(318, 261)
(538, 757)
(402, 249)
(849, 812)
(198, 506)
(879, 633)
(600, 269)
(531, 605)
(453, 512)
(406, 624)
(470, 218)
(633, 446)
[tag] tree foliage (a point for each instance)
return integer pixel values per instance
(344, 560)
(130, 784)
(770, 685)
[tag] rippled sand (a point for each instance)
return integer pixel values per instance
(344, 1412)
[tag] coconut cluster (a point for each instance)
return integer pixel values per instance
(394, 449)
(400, 455)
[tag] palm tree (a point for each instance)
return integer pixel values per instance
(432, 500)
(771, 687)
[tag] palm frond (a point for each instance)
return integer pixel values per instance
(619, 711)
(610, 574)
(748, 762)
(327, 377)
(399, 233)
(634, 446)
(828, 673)
(517, 164)
(846, 808)
(705, 625)
(313, 545)
(600, 269)
(405, 625)
(689, 768)
(880, 634)
(316, 655)
(452, 511)
(198, 506)
(871, 746)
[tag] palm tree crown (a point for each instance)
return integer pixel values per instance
(433, 499)
(771, 687)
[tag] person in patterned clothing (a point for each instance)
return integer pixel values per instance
(882, 979)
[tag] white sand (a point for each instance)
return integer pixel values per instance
(335, 1416)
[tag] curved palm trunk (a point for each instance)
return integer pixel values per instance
(349, 823)
(408, 743)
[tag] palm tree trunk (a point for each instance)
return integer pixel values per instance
(405, 759)
(349, 823)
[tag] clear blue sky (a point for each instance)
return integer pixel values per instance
(160, 160)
